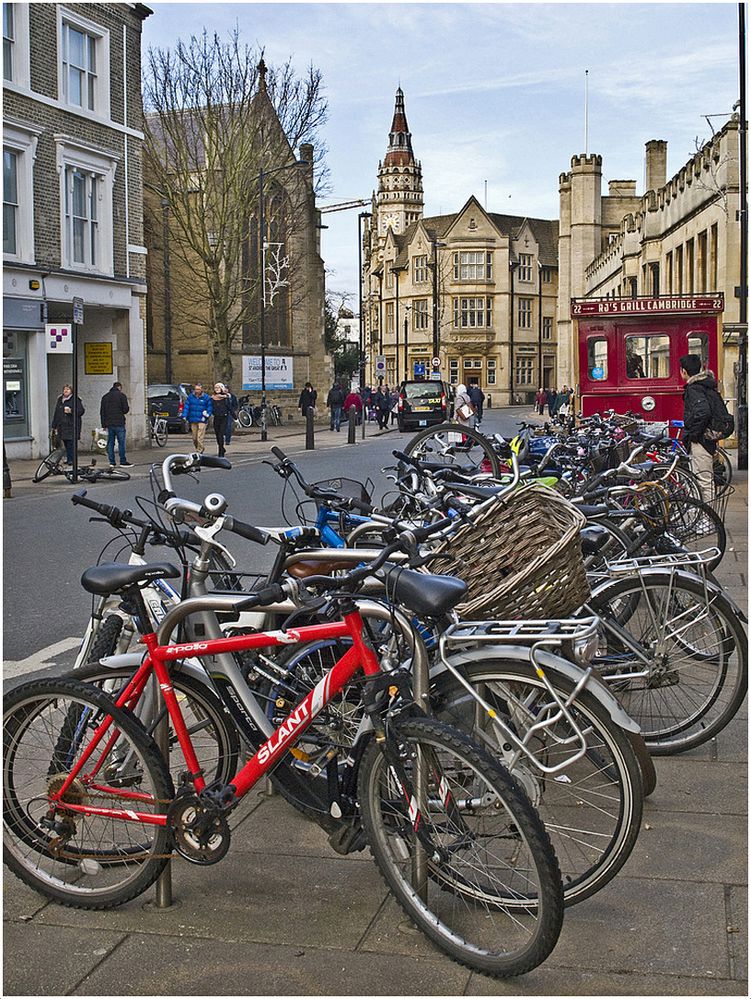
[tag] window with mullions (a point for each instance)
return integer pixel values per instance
(473, 265)
(420, 269)
(79, 68)
(547, 327)
(525, 369)
(491, 370)
(525, 266)
(525, 313)
(420, 314)
(9, 41)
(81, 217)
(473, 313)
(389, 317)
(10, 202)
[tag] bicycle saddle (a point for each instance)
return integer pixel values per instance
(593, 539)
(590, 510)
(427, 595)
(114, 577)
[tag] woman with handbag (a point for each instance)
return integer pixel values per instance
(464, 411)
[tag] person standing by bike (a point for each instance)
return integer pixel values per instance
(234, 409)
(112, 412)
(198, 409)
(698, 405)
(335, 401)
(220, 410)
(66, 421)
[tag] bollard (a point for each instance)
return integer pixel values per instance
(364, 414)
(7, 484)
(490, 402)
(352, 417)
(309, 430)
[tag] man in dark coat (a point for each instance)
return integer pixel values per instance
(697, 417)
(307, 399)
(112, 412)
(335, 401)
(382, 406)
(552, 397)
(477, 398)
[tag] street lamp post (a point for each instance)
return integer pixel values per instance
(406, 342)
(262, 246)
(539, 323)
(361, 366)
(512, 268)
(436, 338)
(395, 272)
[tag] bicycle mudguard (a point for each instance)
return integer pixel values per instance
(553, 664)
(713, 587)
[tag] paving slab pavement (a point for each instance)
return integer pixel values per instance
(283, 915)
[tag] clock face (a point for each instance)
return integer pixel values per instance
(390, 219)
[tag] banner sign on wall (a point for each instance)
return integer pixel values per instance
(59, 338)
(98, 358)
(279, 373)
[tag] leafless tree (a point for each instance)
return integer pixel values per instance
(213, 117)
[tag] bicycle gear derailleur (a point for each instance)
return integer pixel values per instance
(200, 829)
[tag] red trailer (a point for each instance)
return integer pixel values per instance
(629, 350)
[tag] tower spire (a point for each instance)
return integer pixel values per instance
(399, 199)
(400, 138)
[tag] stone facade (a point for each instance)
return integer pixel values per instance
(481, 285)
(178, 344)
(680, 237)
(72, 138)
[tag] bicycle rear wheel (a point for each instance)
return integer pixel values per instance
(244, 418)
(84, 861)
(457, 446)
(160, 433)
(491, 895)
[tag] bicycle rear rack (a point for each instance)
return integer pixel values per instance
(678, 560)
(543, 716)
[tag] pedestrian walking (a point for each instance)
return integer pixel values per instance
(382, 407)
(552, 398)
(220, 412)
(66, 420)
(198, 409)
(335, 401)
(705, 421)
(477, 398)
(307, 399)
(234, 409)
(540, 400)
(563, 402)
(112, 411)
(464, 411)
(394, 404)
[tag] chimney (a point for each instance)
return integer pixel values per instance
(657, 164)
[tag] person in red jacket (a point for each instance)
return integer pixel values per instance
(353, 399)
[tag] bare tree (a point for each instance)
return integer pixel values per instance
(216, 116)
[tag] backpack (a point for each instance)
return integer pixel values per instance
(721, 423)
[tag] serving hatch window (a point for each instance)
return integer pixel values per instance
(698, 343)
(648, 356)
(597, 358)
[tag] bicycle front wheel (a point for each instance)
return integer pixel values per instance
(457, 446)
(49, 465)
(81, 860)
(488, 892)
(160, 433)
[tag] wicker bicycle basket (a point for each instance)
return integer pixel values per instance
(521, 559)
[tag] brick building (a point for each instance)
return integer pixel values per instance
(72, 211)
(482, 285)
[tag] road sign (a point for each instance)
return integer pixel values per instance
(419, 369)
(435, 376)
(380, 364)
(78, 311)
(436, 362)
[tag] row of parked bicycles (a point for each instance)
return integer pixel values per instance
(469, 677)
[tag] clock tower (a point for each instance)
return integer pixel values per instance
(399, 200)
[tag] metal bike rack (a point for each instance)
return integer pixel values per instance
(164, 882)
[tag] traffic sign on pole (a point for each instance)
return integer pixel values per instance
(436, 362)
(78, 311)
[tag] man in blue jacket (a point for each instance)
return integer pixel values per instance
(198, 409)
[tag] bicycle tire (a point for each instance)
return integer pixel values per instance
(161, 435)
(706, 656)
(244, 418)
(214, 737)
(76, 862)
(646, 763)
(593, 813)
(463, 893)
(49, 465)
(474, 447)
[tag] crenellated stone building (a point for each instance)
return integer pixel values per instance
(480, 286)
(72, 211)
(681, 236)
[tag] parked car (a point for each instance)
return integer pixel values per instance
(422, 404)
(169, 400)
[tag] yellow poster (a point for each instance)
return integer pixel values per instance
(98, 358)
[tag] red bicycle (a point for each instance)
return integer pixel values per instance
(91, 816)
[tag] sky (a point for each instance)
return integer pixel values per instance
(493, 92)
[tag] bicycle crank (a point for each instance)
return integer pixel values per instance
(201, 832)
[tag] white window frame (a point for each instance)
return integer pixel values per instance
(547, 328)
(420, 314)
(21, 139)
(420, 268)
(72, 153)
(491, 370)
(102, 109)
(473, 312)
(524, 314)
(479, 268)
(525, 267)
(21, 76)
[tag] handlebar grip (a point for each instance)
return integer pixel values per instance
(79, 499)
(214, 461)
(278, 453)
(406, 458)
(356, 504)
(246, 531)
(268, 595)
(423, 533)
